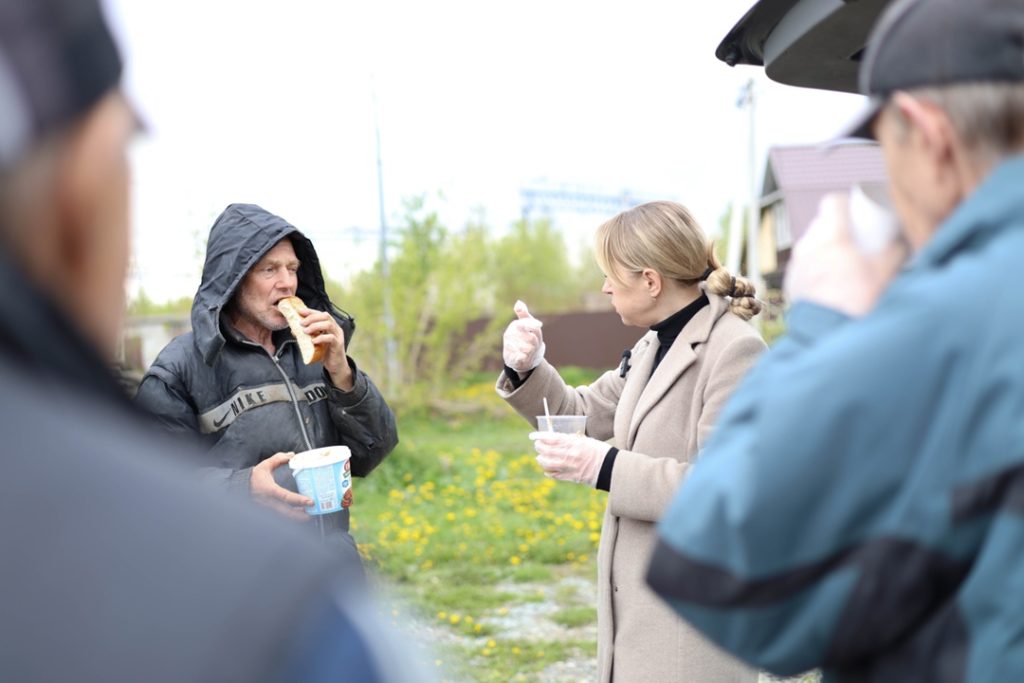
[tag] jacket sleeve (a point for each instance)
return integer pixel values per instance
(364, 421)
(597, 401)
(162, 396)
(642, 487)
(788, 544)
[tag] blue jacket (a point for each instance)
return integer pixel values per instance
(859, 507)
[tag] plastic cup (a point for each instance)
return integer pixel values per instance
(323, 474)
(563, 424)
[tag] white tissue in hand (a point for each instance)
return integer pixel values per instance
(872, 225)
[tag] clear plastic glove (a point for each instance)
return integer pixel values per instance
(828, 268)
(570, 457)
(523, 343)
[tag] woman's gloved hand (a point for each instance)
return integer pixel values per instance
(523, 343)
(570, 457)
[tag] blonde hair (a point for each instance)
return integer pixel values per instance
(664, 237)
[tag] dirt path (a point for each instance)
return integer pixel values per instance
(531, 620)
(527, 620)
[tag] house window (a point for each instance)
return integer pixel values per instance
(783, 236)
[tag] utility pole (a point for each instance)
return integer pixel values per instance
(747, 100)
(390, 360)
(734, 244)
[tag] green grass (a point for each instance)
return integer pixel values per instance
(501, 661)
(463, 526)
(498, 660)
(574, 617)
(531, 573)
(467, 532)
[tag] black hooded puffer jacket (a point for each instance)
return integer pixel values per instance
(245, 404)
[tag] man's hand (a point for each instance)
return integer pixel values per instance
(326, 332)
(265, 491)
(827, 268)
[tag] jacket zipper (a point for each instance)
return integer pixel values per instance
(302, 425)
(295, 401)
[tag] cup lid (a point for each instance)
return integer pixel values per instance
(319, 457)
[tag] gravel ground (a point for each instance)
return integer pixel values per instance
(532, 621)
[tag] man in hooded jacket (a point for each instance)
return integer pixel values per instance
(238, 380)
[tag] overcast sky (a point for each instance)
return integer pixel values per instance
(270, 102)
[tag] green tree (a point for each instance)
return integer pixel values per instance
(437, 286)
(451, 293)
(142, 305)
(532, 264)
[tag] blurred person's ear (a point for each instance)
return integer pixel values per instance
(926, 120)
(944, 172)
(91, 221)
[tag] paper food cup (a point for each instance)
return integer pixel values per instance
(323, 474)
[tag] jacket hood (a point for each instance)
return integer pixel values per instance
(239, 238)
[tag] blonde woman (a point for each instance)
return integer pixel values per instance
(646, 422)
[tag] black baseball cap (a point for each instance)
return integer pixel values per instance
(57, 60)
(924, 43)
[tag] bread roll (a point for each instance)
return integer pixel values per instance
(289, 307)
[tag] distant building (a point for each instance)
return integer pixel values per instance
(795, 180)
(145, 336)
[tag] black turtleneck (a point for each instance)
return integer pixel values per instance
(668, 329)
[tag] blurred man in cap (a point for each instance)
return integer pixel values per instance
(861, 507)
(116, 565)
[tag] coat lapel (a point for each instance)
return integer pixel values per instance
(679, 357)
(639, 370)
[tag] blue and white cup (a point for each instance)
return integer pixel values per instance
(324, 475)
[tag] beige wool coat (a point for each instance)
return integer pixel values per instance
(659, 423)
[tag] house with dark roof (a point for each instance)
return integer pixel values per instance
(795, 180)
